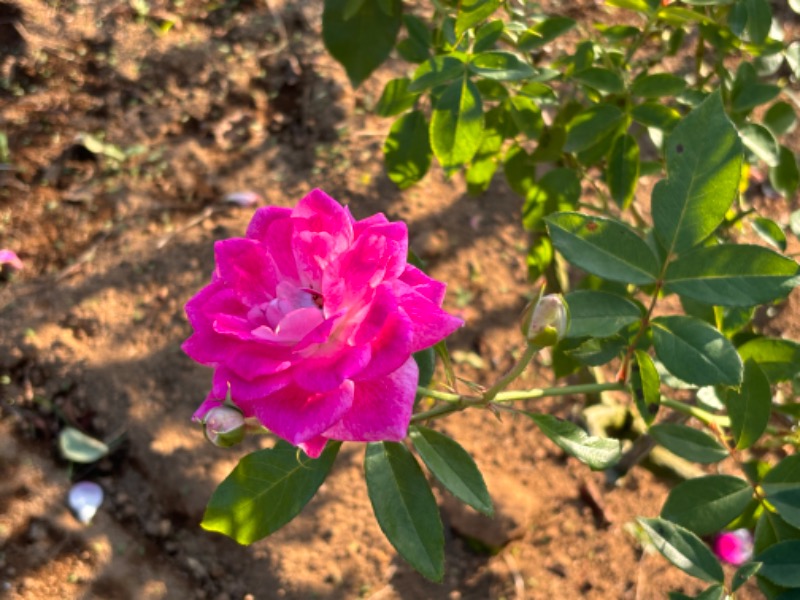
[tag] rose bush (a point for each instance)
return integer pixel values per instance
(310, 323)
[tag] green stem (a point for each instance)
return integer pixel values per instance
(516, 371)
(698, 413)
(586, 388)
(437, 395)
(456, 403)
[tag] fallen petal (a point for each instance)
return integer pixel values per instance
(84, 498)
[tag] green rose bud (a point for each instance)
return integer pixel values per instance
(546, 322)
(224, 426)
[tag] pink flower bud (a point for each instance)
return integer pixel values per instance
(546, 323)
(224, 426)
(734, 547)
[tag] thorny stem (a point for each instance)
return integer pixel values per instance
(623, 371)
(706, 417)
(457, 403)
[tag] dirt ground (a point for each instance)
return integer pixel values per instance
(123, 143)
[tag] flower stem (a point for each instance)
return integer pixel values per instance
(698, 413)
(516, 371)
(456, 403)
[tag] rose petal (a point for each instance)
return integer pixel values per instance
(263, 218)
(314, 446)
(390, 348)
(299, 416)
(325, 373)
(381, 408)
(431, 323)
(244, 267)
(422, 284)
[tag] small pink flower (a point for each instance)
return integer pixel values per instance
(10, 258)
(310, 322)
(734, 547)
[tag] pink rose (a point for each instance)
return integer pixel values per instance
(310, 322)
(734, 547)
(10, 258)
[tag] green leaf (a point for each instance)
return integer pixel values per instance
(405, 507)
(395, 98)
(453, 467)
(750, 406)
(472, 12)
(683, 549)
(486, 36)
(426, 363)
(688, 442)
(520, 170)
(704, 158)
(407, 151)
(707, 504)
(771, 529)
(598, 351)
(436, 71)
(603, 80)
(527, 116)
(266, 490)
(645, 386)
(785, 177)
(695, 352)
(590, 126)
(480, 174)
(79, 447)
(780, 118)
(781, 563)
(637, 5)
(732, 275)
(782, 488)
(597, 453)
(743, 573)
(622, 171)
(760, 141)
(603, 247)
(759, 20)
(658, 85)
(559, 189)
(654, 114)
(748, 91)
(779, 359)
(500, 66)
(792, 54)
(544, 32)
(416, 47)
(351, 8)
(346, 35)
(599, 314)
(457, 124)
(769, 231)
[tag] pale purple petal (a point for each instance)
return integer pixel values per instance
(381, 408)
(299, 416)
(207, 404)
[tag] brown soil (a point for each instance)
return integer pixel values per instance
(124, 143)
